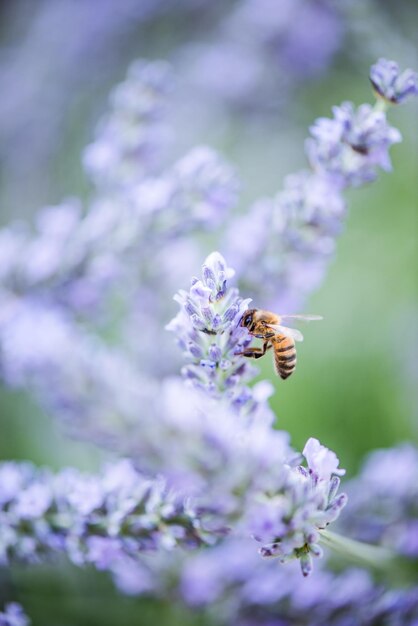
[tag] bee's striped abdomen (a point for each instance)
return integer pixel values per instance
(284, 356)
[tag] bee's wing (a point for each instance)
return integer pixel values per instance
(288, 332)
(303, 318)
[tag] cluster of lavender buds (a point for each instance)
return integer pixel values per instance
(288, 523)
(279, 44)
(290, 239)
(99, 519)
(134, 132)
(208, 331)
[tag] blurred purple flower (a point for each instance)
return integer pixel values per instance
(352, 145)
(130, 140)
(390, 84)
(14, 615)
(289, 241)
(264, 48)
(384, 500)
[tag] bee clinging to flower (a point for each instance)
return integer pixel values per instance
(269, 327)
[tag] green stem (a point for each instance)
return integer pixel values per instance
(381, 104)
(365, 554)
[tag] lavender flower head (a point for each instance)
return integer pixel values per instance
(351, 146)
(288, 523)
(208, 331)
(392, 85)
(131, 138)
(98, 519)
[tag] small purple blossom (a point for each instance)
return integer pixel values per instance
(383, 501)
(392, 85)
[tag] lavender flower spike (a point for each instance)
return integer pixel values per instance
(130, 140)
(208, 331)
(104, 520)
(13, 615)
(390, 84)
(288, 522)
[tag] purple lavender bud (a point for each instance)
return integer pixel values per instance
(191, 309)
(333, 487)
(316, 550)
(217, 322)
(306, 564)
(198, 323)
(231, 313)
(198, 290)
(208, 316)
(390, 84)
(209, 277)
(195, 350)
(215, 353)
(232, 380)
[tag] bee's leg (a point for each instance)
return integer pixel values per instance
(255, 353)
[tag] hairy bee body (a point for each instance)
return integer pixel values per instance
(268, 326)
(284, 352)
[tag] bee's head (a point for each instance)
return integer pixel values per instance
(248, 318)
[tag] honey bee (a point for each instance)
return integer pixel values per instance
(268, 326)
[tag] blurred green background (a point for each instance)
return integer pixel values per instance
(356, 387)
